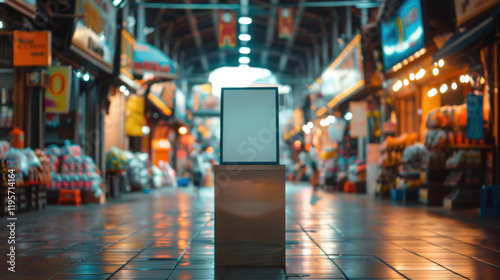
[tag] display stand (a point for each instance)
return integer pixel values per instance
(250, 215)
(249, 183)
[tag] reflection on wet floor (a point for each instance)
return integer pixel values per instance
(170, 235)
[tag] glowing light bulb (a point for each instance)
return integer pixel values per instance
(443, 88)
(432, 92)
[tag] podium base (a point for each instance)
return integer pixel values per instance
(249, 215)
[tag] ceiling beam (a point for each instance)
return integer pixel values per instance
(197, 37)
(291, 40)
(220, 6)
(270, 32)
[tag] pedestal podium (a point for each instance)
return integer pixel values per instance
(250, 215)
(249, 183)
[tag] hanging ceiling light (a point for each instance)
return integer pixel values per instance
(245, 37)
(244, 60)
(245, 20)
(245, 50)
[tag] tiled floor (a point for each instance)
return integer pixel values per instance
(169, 234)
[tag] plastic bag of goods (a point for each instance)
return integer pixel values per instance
(88, 164)
(169, 176)
(21, 159)
(157, 176)
(33, 160)
(115, 159)
(4, 147)
(143, 157)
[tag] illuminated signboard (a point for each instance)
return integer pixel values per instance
(344, 77)
(403, 34)
(95, 32)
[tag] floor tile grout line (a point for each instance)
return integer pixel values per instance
(107, 247)
(417, 254)
(40, 258)
(187, 248)
(301, 227)
(468, 243)
(470, 257)
(370, 254)
(125, 264)
(62, 250)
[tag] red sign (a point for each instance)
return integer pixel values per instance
(285, 23)
(227, 30)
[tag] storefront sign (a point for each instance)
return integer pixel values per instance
(403, 34)
(127, 54)
(32, 48)
(344, 76)
(95, 33)
(475, 123)
(204, 100)
(58, 93)
(359, 119)
(227, 30)
(468, 9)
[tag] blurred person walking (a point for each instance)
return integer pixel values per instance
(196, 165)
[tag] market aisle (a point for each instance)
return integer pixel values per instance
(169, 235)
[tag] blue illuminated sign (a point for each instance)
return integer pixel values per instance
(403, 34)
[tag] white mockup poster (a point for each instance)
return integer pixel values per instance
(249, 122)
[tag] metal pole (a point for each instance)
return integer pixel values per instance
(348, 23)
(335, 34)
(141, 24)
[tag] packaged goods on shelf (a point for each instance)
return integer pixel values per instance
(71, 170)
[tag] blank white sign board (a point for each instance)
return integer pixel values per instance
(249, 123)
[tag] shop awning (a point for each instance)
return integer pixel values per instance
(462, 40)
(149, 59)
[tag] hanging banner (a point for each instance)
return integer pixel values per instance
(285, 23)
(359, 120)
(135, 116)
(32, 48)
(475, 124)
(227, 30)
(58, 93)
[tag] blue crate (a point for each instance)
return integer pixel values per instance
(183, 182)
(398, 195)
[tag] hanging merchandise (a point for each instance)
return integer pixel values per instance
(17, 140)
(285, 23)
(135, 116)
(474, 129)
(227, 30)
